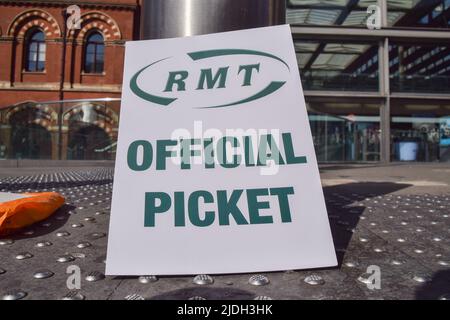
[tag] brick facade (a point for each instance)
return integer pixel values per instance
(116, 20)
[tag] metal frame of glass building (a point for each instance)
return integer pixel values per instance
(375, 94)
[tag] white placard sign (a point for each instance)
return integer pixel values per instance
(215, 169)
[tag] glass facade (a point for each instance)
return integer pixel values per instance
(328, 12)
(372, 95)
(419, 67)
(375, 95)
(420, 131)
(418, 13)
(329, 65)
(347, 132)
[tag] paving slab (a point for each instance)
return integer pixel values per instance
(376, 220)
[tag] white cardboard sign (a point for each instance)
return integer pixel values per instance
(215, 169)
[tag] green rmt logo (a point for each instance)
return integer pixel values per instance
(209, 79)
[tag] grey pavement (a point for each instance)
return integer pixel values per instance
(394, 217)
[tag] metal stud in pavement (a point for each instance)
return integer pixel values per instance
(84, 244)
(95, 276)
(14, 295)
(42, 244)
(197, 298)
(147, 279)
(314, 280)
(89, 219)
(43, 274)
(97, 235)
(65, 258)
(73, 295)
(258, 280)
(24, 255)
(203, 279)
(2, 271)
(364, 280)
(62, 234)
(351, 264)
(262, 298)
(77, 225)
(134, 296)
(397, 262)
(420, 279)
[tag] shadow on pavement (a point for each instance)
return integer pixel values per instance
(344, 216)
(437, 288)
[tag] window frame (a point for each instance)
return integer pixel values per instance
(96, 62)
(39, 45)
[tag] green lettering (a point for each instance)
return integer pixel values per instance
(163, 154)
(248, 70)
(206, 76)
(229, 207)
(176, 78)
(289, 151)
(147, 155)
(194, 215)
(267, 143)
(283, 201)
(151, 209)
(254, 206)
(179, 209)
(222, 152)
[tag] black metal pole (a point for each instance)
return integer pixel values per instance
(61, 84)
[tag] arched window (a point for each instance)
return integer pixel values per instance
(94, 53)
(35, 55)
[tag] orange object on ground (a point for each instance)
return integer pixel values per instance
(20, 213)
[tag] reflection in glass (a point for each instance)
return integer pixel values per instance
(419, 68)
(88, 130)
(353, 13)
(345, 131)
(331, 12)
(419, 13)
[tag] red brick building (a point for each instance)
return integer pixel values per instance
(32, 46)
